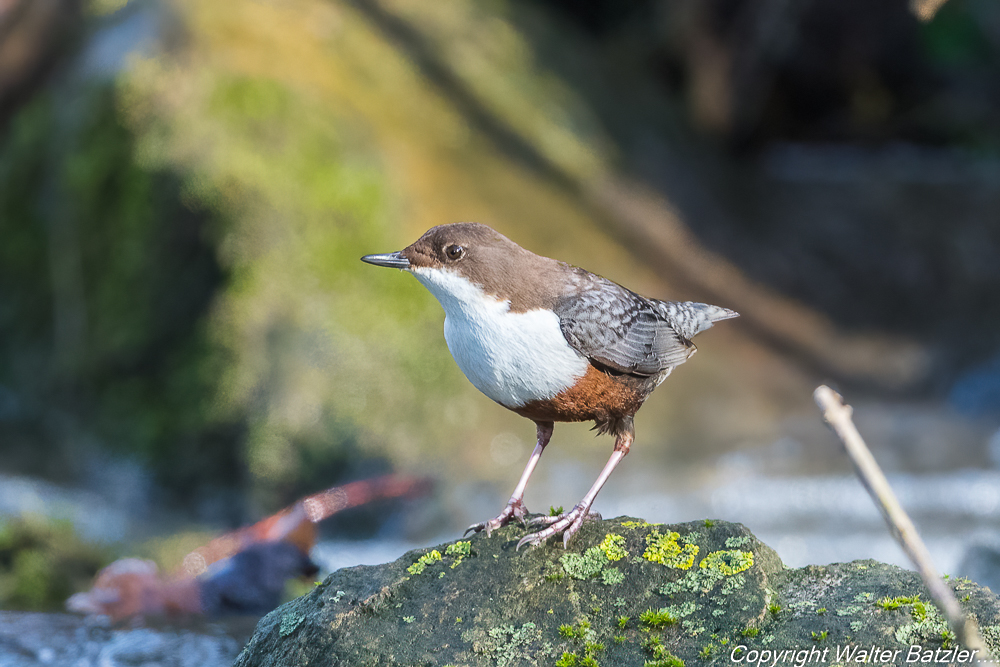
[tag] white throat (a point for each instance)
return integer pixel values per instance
(514, 358)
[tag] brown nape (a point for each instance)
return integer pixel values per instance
(608, 399)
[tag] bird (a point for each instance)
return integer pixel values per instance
(551, 342)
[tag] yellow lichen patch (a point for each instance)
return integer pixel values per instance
(665, 550)
(459, 550)
(425, 560)
(613, 546)
(728, 562)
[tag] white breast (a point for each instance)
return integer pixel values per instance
(513, 358)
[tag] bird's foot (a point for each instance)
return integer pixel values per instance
(568, 524)
(515, 510)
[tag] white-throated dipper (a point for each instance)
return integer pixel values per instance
(551, 342)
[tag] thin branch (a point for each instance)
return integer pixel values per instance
(926, 9)
(838, 416)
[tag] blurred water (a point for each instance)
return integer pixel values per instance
(806, 519)
(95, 518)
(824, 519)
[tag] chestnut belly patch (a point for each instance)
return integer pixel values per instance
(599, 396)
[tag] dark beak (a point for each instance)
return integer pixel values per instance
(392, 260)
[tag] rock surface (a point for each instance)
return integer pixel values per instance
(626, 593)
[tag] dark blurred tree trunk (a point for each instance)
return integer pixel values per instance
(34, 36)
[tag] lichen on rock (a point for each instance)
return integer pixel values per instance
(584, 607)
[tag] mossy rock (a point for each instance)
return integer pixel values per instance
(626, 593)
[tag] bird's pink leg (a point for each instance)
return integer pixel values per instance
(569, 523)
(515, 508)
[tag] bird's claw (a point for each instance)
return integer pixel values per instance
(568, 524)
(515, 509)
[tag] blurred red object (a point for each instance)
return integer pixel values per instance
(243, 571)
(132, 587)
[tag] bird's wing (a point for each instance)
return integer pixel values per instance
(619, 329)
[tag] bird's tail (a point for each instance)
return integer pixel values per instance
(691, 318)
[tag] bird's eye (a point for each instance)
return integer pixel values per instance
(455, 252)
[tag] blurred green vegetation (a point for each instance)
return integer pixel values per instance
(43, 562)
(106, 277)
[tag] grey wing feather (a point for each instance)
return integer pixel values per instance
(620, 329)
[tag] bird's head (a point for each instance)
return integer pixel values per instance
(467, 260)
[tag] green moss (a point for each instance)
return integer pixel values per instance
(665, 550)
(658, 618)
(662, 657)
(896, 602)
(568, 659)
(586, 643)
(421, 564)
(728, 562)
(579, 631)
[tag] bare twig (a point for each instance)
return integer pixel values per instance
(926, 9)
(838, 416)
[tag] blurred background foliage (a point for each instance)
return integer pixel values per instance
(43, 562)
(186, 188)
